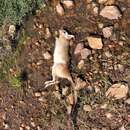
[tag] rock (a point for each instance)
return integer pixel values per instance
(33, 124)
(12, 30)
(37, 94)
(104, 106)
(100, 25)
(95, 10)
(110, 2)
(81, 64)
(87, 108)
(47, 33)
(60, 9)
(78, 48)
(21, 128)
(102, 1)
(47, 56)
(40, 62)
(68, 4)
(97, 88)
(117, 91)
(122, 128)
(80, 84)
(94, 42)
(108, 115)
(108, 54)
(85, 53)
(110, 12)
(65, 91)
(128, 101)
(107, 31)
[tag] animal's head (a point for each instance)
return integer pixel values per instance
(65, 34)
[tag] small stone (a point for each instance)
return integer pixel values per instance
(85, 53)
(110, 2)
(39, 128)
(28, 127)
(37, 94)
(117, 91)
(78, 48)
(107, 31)
(68, 3)
(47, 33)
(104, 106)
(121, 43)
(47, 56)
(97, 88)
(95, 10)
(21, 128)
(102, 1)
(60, 9)
(40, 62)
(122, 128)
(87, 108)
(12, 30)
(108, 54)
(81, 64)
(80, 84)
(33, 124)
(64, 91)
(110, 12)
(128, 101)
(100, 25)
(109, 115)
(41, 99)
(94, 42)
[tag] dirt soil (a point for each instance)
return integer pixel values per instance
(31, 107)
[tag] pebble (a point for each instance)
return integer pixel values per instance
(110, 12)
(33, 124)
(97, 89)
(87, 108)
(109, 115)
(100, 25)
(11, 30)
(68, 4)
(60, 9)
(104, 106)
(40, 62)
(64, 91)
(80, 84)
(47, 33)
(128, 101)
(47, 56)
(21, 128)
(117, 91)
(78, 48)
(94, 42)
(37, 94)
(107, 31)
(81, 64)
(85, 53)
(102, 1)
(108, 54)
(95, 10)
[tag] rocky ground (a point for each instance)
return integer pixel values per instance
(99, 64)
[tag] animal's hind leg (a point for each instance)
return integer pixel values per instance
(52, 82)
